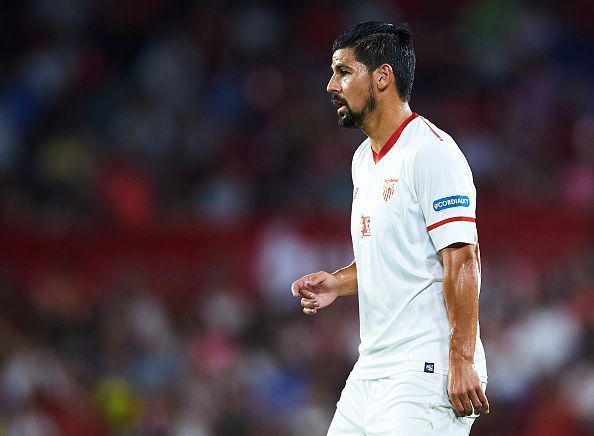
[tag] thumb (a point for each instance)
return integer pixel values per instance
(316, 278)
(297, 285)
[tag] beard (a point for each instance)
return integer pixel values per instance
(352, 119)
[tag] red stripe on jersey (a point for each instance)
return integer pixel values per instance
(392, 139)
(449, 220)
(430, 128)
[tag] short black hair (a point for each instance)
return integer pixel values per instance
(377, 43)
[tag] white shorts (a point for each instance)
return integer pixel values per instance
(411, 403)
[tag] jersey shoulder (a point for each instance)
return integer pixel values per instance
(431, 143)
(425, 134)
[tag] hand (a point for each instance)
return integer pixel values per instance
(465, 391)
(317, 290)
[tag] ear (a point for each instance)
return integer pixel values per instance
(383, 76)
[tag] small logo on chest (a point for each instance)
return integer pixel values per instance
(365, 226)
(389, 189)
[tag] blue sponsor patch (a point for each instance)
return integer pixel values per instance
(453, 201)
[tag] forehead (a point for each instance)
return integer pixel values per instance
(346, 57)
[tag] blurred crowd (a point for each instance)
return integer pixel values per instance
(124, 356)
(121, 117)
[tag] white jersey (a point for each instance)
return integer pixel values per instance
(413, 198)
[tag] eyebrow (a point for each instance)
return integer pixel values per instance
(340, 65)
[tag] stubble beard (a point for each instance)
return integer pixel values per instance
(354, 120)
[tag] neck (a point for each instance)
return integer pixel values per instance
(384, 121)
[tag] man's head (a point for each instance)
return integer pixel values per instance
(368, 58)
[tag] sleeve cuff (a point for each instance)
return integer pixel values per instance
(453, 230)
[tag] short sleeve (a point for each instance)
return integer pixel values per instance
(443, 184)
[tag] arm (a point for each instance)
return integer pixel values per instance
(320, 289)
(460, 289)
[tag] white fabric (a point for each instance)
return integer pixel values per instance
(417, 199)
(410, 403)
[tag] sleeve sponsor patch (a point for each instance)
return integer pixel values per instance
(453, 201)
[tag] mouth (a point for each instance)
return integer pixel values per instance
(339, 104)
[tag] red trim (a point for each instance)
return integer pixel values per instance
(449, 220)
(392, 139)
(430, 128)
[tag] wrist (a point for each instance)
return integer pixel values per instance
(461, 353)
(462, 346)
(460, 358)
(339, 275)
(345, 280)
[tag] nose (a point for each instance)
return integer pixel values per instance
(333, 85)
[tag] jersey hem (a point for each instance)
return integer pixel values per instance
(416, 366)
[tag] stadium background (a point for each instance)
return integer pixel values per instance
(167, 169)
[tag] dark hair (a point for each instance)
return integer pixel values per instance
(376, 43)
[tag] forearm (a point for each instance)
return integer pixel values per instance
(460, 290)
(461, 297)
(347, 279)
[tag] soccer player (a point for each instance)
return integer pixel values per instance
(421, 367)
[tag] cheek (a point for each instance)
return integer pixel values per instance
(352, 95)
(348, 89)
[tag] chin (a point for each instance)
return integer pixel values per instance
(347, 121)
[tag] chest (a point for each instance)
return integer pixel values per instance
(382, 199)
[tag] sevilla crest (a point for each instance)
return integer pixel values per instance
(389, 189)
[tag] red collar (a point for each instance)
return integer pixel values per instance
(392, 139)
